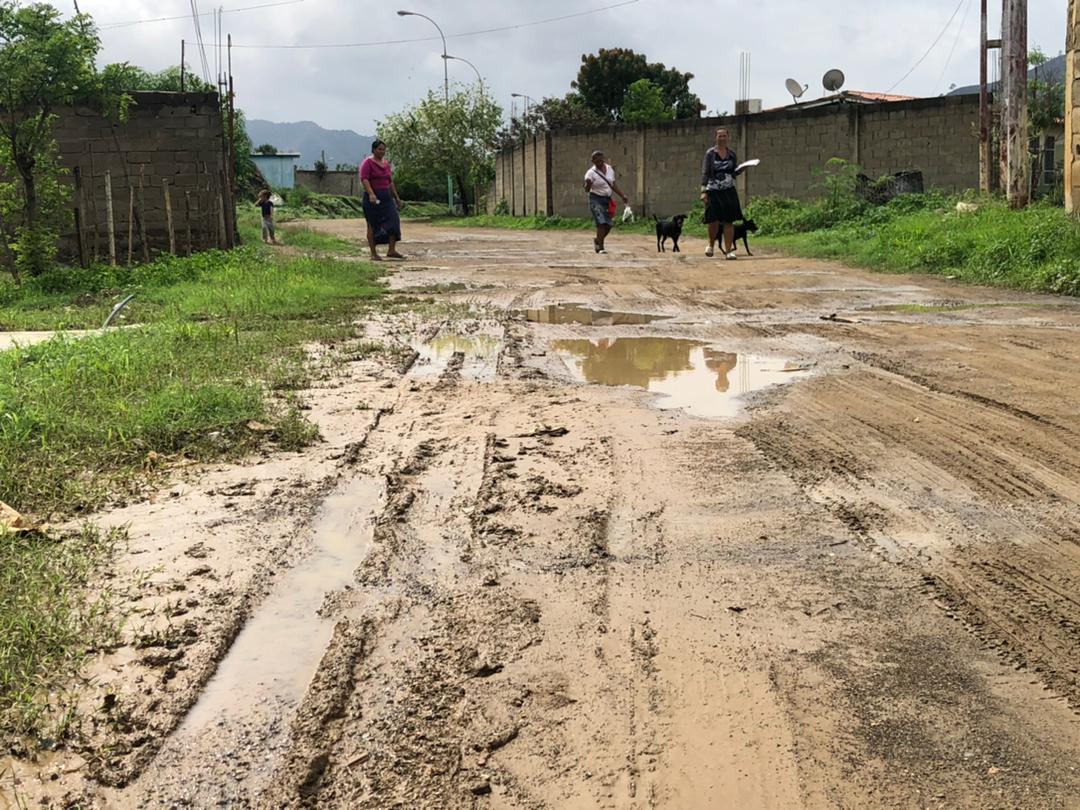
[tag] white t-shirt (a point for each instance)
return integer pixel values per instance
(601, 183)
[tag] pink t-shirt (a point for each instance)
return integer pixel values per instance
(378, 176)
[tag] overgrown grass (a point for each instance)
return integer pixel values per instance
(1036, 249)
(221, 332)
(49, 621)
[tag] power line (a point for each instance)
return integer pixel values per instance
(448, 36)
(956, 42)
(110, 26)
(199, 40)
(932, 46)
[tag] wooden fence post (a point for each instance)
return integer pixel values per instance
(109, 219)
(168, 215)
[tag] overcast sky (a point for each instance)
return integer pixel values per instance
(875, 43)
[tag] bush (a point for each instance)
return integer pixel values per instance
(297, 197)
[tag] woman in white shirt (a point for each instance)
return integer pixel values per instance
(600, 184)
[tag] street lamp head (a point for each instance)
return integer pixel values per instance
(406, 13)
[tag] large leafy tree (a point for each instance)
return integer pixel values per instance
(45, 62)
(604, 78)
(644, 104)
(436, 137)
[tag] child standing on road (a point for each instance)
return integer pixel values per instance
(267, 217)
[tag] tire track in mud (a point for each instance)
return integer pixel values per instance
(438, 618)
(981, 500)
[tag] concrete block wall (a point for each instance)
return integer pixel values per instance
(659, 165)
(177, 138)
(344, 184)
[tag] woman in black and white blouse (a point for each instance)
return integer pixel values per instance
(722, 208)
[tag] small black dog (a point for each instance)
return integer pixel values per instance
(669, 229)
(741, 230)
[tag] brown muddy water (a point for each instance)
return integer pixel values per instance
(578, 314)
(481, 355)
(701, 379)
(275, 656)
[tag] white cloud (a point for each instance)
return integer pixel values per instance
(873, 41)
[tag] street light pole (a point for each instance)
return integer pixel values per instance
(446, 91)
(527, 100)
(479, 78)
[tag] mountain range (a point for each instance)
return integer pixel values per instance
(311, 141)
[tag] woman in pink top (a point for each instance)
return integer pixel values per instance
(381, 203)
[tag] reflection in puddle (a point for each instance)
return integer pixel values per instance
(686, 374)
(481, 355)
(574, 313)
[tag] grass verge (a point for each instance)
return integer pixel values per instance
(220, 345)
(49, 622)
(1036, 249)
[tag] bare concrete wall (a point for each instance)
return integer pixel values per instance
(659, 166)
(170, 143)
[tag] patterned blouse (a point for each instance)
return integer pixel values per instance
(719, 172)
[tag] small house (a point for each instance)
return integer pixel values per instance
(277, 169)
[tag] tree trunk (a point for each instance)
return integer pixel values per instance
(464, 194)
(31, 210)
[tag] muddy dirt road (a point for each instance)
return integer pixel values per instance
(623, 531)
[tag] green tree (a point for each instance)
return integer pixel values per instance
(1046, 99)
(551, 114)
(436, 137)
(266, 149)
(644, 104)
(135, 79)
(604, 78)
(45, 62)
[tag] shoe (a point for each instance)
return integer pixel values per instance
(730, 256)
(709, 251)
(596, 245)
(600, 249)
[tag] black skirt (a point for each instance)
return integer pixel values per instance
(383, 218)
(723, 206)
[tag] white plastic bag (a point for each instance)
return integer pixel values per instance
(627, 214)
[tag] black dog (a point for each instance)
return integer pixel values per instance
(669, 229)
(741, 230)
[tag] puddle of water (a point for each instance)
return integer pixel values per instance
(481, 355)
(275, 656)
(575, 313)
(687, 374)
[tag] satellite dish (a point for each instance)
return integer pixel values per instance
(795, 89)
(833, 80)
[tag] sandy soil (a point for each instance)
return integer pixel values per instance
(829, 559)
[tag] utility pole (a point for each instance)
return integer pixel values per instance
(1014, 134)
(984, 110)
(1072, 105)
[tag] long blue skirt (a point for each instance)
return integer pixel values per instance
(383, 218)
